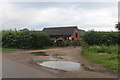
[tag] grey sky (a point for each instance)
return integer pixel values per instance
(100, 16)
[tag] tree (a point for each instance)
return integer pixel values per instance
(25, 29)
(118, 26)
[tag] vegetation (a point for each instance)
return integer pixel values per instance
(118, 26)
(71, 43)
(63, 43)
(10, 49)
(101, 38)
(101, 48)
(0, 39)
(27, 40)
(106, 56)
(24, 39)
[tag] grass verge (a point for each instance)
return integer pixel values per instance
(107, 56)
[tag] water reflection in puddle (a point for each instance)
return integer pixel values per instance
(61, 65)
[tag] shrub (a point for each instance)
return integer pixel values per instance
(24, 39)
(101, 38)
(84, 44)
(64, 43)
(0, 39)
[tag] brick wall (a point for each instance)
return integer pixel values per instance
(75, 36)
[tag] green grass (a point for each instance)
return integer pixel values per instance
(108, 60)
(10, 49)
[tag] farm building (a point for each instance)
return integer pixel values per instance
(67, 33)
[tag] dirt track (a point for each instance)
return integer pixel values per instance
(68, 53)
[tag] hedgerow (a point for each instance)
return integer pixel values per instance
(101, 38)
(24, 39)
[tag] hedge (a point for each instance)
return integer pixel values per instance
(101, 38)
(24, 39)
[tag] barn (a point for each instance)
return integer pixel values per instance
(67, 33)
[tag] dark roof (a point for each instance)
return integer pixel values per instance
(60, 30)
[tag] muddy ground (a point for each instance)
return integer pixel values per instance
(91, 70)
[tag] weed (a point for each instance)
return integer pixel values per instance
(109, 60)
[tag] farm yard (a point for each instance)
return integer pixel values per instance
(28, 59)
(96, 53)
(71, 39)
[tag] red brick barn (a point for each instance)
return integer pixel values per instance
(67, 33)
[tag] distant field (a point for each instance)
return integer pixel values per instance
(107, 56)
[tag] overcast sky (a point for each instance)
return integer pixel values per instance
(100, 16)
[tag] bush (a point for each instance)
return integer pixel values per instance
(64, 43)
(101, 38)
(24, 39)
(84, 44)
(77, 43)
(0, 39)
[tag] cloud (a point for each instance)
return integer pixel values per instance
(59, 0)
(15, 16)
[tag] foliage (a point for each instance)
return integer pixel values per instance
(24, 39)
(101, 38)
(0, 39)
(11, 49)
(113, 49)
(108, 60)
(118, 26)
(64, 43)
(84, 44)
(71, 43)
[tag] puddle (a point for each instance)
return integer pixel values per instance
(61, 65)
(40, 53)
